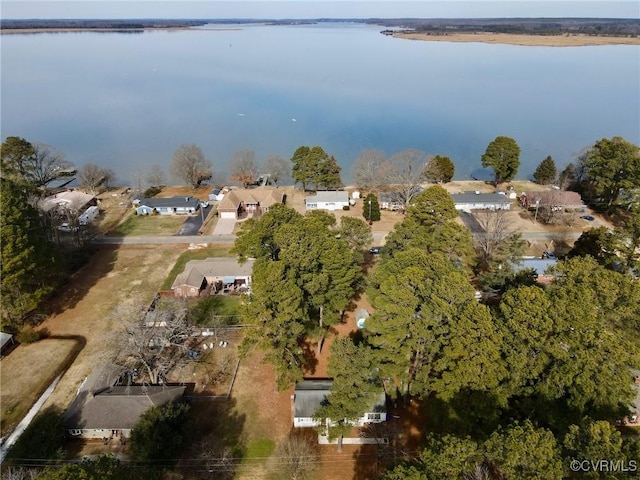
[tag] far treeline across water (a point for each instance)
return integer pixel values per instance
(616, 27)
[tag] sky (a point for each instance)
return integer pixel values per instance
(51, 9)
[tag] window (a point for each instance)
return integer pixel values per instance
(373, 416)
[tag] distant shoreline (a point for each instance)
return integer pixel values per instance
(522, 40)
(15, 31)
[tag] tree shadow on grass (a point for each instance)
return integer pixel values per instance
(97, 263)
(216, 443)
(42, 440)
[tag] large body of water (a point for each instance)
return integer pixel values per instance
(128, 101)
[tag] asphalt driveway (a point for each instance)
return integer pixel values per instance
(193, 224)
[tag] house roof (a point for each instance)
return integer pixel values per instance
(540, 265)
(328, 196)
(5, 338)
(69, 199)
(196, 270)
(101, 405)
(311, 394)
(230, 201)
(265, 196)
(563, 198)
(172, 202)
(472, 197)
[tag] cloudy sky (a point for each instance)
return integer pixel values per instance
(316, 8)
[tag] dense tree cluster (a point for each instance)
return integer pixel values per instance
(610, 168)
(313, 166)
(304, 277)
(439, 169)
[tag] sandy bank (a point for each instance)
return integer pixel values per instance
(524, 40)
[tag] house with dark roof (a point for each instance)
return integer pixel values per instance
(468, 201)
(6, 342)
(106, 406)
(311, 394)
(223, 273)
(166, 206)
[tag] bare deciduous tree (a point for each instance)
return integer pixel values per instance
(244, 169)
(296, 458)
(46, 164)
(155, 176)
(277, 167)
(157, 339)
(497, 228)
(371, 170)
(20, 473)
(406, 174)
(190, 165)
(91, 176)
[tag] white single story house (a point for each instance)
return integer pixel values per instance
(107, 407)
(223, 273)
(310, 394)
(540, 265)
(327, 200)
(89, 215)
(166, 206)
(468, 201)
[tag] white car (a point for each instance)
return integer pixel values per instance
(65, 227)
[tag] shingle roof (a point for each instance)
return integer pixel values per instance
(472, 197)
(100, 405)
(172, 202)
(328, 196)
(311, 394)
(195, 270)
(265, 196)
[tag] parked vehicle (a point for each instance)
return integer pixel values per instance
(375, 250)
(588, 218)
(548, 255)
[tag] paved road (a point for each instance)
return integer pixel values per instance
(13, 438)
(378, 238)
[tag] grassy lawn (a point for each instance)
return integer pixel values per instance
(223, 305)
(200, 254)
(21, 385)
(150, 225)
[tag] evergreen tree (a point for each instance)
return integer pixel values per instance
(30, 265)
(371, 208)
(546, 171)
(161, 433)
(439, 169)
(329, 174)
(356, 385)
(567, 177)
(611, 166)
(503, 156)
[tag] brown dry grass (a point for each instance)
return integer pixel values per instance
(82, 309)
(21, 384)
(524, 40)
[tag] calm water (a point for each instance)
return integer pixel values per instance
(128, 101)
